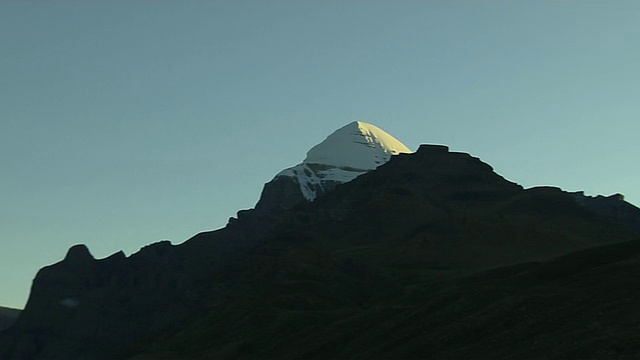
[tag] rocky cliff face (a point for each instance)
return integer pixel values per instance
(418, 219)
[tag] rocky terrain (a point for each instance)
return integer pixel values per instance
(430, 255)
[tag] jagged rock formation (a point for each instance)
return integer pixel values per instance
(374, 268)
(86, 308)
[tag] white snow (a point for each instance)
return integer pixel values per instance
(357, 145)
(347, 153)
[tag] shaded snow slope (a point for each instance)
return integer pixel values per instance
(348, 152)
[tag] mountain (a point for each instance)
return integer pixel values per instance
(582, 305)
(8, 317)
(613, 207)
(430, 254)
(347, 153)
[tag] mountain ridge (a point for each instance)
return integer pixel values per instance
(382, 241)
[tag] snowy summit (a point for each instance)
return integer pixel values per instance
(347, 153)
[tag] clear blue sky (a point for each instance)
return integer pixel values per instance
(124, 123)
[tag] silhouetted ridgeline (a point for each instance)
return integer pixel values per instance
(613, 207)
(432, 255)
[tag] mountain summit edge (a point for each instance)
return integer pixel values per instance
(347, 153)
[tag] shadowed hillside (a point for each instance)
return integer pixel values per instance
(573, 307)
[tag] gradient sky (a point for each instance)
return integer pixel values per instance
(124, 123)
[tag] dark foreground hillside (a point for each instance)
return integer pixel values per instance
(580, 306)
(432, 255)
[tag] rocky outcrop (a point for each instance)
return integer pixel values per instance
(283, 192)
(280, 194)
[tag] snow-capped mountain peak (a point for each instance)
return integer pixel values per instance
(348, 152)
(357, 145)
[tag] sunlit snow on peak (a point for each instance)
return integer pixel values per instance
(345, 154)
(358, 145)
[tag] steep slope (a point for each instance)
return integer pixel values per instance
(345, 154)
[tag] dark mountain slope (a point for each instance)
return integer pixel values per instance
(613, 207)
(390, 265)
(573, 307)
(362, 267)
(450, 210)
(87, 308)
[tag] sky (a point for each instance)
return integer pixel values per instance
(123, 123)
